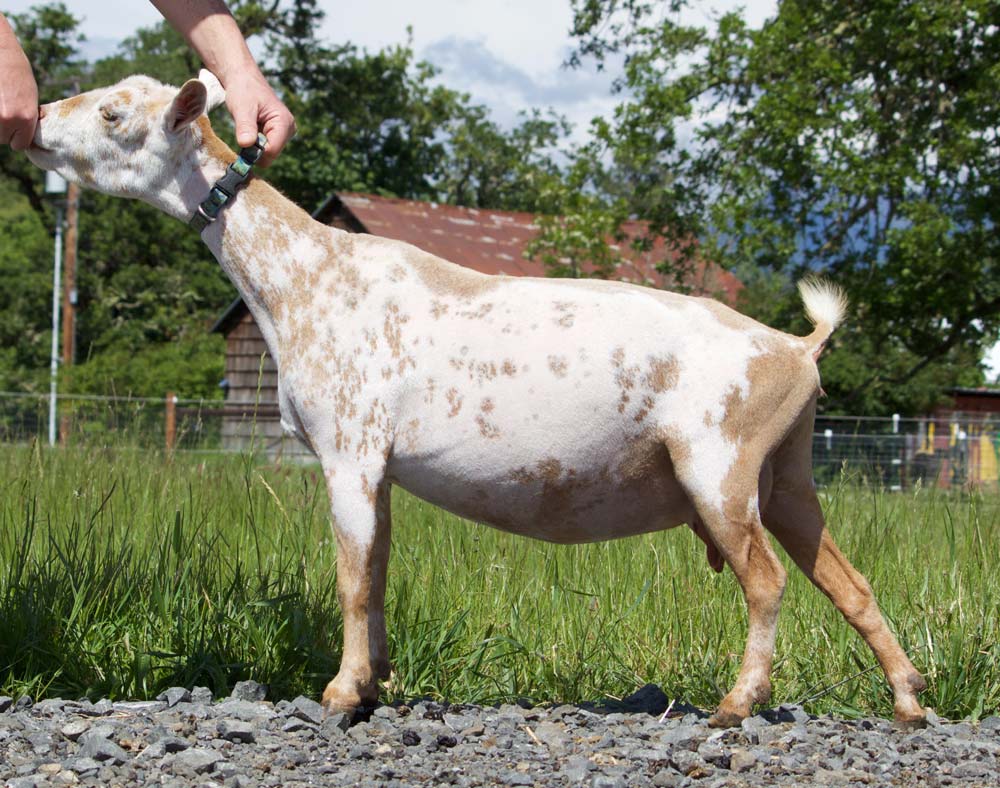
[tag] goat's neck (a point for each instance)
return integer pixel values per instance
(268, 246)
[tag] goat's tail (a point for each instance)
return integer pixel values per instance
(826, 306)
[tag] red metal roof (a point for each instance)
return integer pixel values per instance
(494, 242)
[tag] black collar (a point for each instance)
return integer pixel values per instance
(230, 183)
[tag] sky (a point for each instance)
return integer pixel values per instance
(507, 54)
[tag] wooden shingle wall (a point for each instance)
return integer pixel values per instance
(252, 396)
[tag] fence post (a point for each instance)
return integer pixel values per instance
(171, 420)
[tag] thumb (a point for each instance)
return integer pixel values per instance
(246, 125)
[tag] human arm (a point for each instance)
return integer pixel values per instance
(214, 35)
(18, 92)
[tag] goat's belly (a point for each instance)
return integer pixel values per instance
(551, 499)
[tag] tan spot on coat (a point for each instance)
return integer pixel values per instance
(508, 368)
(67, 107)
(663, 374)
(558, 366)
(455, 401)
(487, 429)
(444, 278)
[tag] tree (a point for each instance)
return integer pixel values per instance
(853, 139)
(148, 288)
(488, 167)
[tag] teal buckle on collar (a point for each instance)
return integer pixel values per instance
(227, 186)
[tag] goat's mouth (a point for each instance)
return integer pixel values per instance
(40, 156)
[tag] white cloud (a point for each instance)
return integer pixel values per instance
(507, 54)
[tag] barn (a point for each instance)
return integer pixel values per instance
(489, 241)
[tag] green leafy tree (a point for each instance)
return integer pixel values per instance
(148, 288)
(488, 167)
(856, 140)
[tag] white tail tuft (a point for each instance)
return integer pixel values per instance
(826, 306)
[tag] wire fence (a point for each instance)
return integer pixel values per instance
(948, 449)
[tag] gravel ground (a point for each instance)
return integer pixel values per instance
(187, 739)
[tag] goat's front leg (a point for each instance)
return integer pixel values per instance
(361, 522)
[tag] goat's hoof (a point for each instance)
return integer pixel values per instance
(909, 722)
(336, 700)
(725, 719)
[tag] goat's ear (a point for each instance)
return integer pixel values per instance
(187, 105)
(216, 93)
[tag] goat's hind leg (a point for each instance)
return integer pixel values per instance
(734, 528)
(794, 516)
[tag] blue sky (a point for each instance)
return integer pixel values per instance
(507, 54)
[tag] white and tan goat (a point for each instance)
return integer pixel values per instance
(570, 411)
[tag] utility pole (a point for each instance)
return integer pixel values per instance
(55, 186)
(69, 295)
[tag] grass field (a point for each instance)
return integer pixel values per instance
(123, 572)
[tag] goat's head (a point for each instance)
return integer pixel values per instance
(138, 139)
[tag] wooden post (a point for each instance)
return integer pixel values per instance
(69, 294)
(171, 419)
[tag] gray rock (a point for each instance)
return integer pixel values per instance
(236, 730)
(741, 760)
(985, 724)
(387, 713)
(607, 781)
(296, 724)
(249, 690)
(201, 695)
(139, 707)
(29, 781)
(166, 745)
(576, 769)
(82, 766)
(682, 736)
(666, 778)
(196, 760)
(307, 709)
(335, 725)
(715, 754)
(752, 726)
(553, 735)
(174, 695)
(23, 703)
(244, 710)
(5, 703)
(517, 778)
(96, 733)
(48, 707)
(73, 730)
(40, 741)
(687, 762)
(103, 750)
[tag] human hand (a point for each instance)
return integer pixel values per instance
(18, 97)
(255, 106)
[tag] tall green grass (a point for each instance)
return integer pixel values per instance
(123, 572)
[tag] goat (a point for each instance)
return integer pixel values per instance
(565, 410)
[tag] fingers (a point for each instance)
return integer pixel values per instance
(255, 106)
(18, 99)
(279, 129)
(22, 132)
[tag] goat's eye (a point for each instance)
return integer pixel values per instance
(109, 114)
